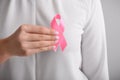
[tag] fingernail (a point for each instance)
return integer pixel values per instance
(56, 32)
(57, 37)
(56, 41)
(54, 47)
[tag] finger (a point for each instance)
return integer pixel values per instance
(41, 37)
(38, 44)
(43, 49)
(39, 30)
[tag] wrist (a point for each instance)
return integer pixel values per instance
(2, 47)
(4, 55)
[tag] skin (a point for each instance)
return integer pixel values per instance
(27, 40)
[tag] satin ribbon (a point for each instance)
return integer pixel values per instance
(59, 27)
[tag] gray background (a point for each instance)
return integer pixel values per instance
(111, 9)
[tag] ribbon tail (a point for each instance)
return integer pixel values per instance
(63, 43)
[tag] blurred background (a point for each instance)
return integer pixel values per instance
(111, 9)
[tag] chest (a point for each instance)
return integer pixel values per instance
(73, 13)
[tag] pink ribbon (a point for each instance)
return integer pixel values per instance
(59, 28)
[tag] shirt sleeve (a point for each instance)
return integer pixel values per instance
(94, 49)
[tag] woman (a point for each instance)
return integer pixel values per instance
(27, 41)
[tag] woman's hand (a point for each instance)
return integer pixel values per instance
(28, 40)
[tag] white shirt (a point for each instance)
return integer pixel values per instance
(84, 58)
